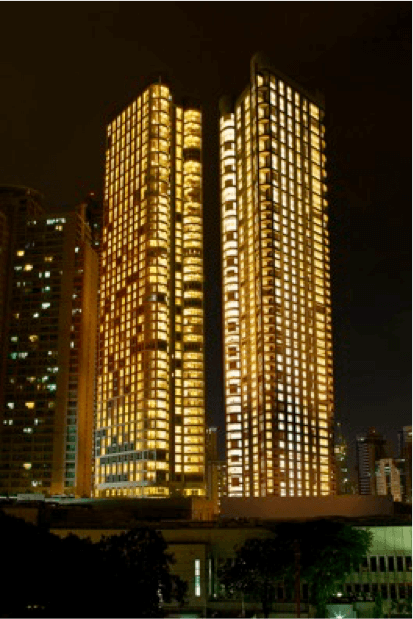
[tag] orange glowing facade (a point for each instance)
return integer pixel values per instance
(150, 419)
(276, 290)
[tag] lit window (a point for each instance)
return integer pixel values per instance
(197, 577)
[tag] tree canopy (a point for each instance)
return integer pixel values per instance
(320, 553)
(126, 575)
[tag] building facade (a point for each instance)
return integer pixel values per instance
(388, 479)
(16, 204)
(405, 462)
(370, 448)
(47, 400)
(216, 469)
(150, 421)
(199, 551)
(344, 483)
(201, 546)
(276, 290)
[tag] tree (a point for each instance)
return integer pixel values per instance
(258, 565)
(319, 552)
(47, 576)
(28, 554)
(139, 569)
(329, 552)
(378, 606)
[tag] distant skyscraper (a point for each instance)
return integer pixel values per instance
(276, 290)
(16, 204)
(150, 433)
(405, 462)
(94, 216)
(216, 469)
(387, 476)
(370, 448)
(343, 482)
(47, 400)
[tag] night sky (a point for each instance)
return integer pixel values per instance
(66, 67)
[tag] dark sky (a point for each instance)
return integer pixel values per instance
(65, 66)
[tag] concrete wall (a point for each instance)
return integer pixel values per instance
(286, 508)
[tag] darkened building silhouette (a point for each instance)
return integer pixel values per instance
(405, 462)
(370, 448)
(49, 353)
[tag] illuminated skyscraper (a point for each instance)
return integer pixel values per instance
(150, 431)
(47, 398)
(276, 290)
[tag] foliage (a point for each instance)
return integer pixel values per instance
(258, 565)
(378, 606)
(47, 576)
(328, 551)
(139, 566)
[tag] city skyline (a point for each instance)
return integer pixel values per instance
(359, 62)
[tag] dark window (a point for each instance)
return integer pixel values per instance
(400, 564)
(366, 588)
(393, 594)
(409, 563)
(402, 591)
(383, 589)
(390, 561)
(382, 563)
(373, 564)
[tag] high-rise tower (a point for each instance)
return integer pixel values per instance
(150, 431)
(370, 448)
(276, 290)
(47, 399)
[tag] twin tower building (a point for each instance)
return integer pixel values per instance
(149, 419)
